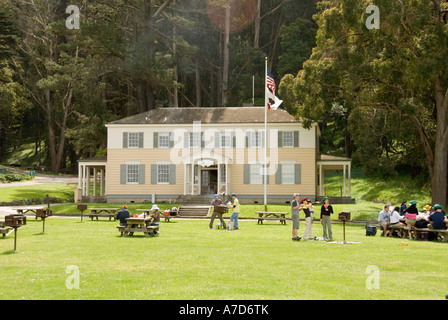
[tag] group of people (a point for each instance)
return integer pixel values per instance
(123, 214)
(432, 218)
(307, 207)
(234, 206)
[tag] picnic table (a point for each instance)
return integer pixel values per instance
(263, 215)
(418, 231)
(34, 211)
(138, 225)
(102, 212)
(172, 213)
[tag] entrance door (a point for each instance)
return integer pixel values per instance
(209, 181)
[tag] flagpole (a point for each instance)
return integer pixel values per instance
(265, 177)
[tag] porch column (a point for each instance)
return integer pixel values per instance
(349, 180)
(344, 179)
(101, 182)
(320, 180)
(84, 180)
(88, 181)
(95, 181)
(79, 175)
(192, 178)
(218, 188)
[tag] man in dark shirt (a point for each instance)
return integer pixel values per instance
(122, 215)
(216, 203)
(437, 219)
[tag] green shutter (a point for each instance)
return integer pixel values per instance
(155, 140)
(125, 139)
(297, 173)
(186, 139)
(171, 140)
(123, 174)
(140, 140)
(202, 140)
(267, 176)
(296, 139)
(217, 140)
(141, 174)
(278, 174)
(248, 139)
(247, 174)
(233, 140)
(280, 139)
(172, 174)
(153, 174)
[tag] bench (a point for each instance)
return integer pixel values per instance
(263, 215)
(104, 215)
(398, 227)
(440, 232)
(4, 231)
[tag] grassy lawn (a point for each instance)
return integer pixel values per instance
(190, 261)
(62, 191)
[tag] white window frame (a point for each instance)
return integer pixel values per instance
(133, 137)
(288, 173)
(255, 174)
(194, 139)
(256, 139)
(159, 173)
(226, 137)
(289, 139)
(165, 137)
(134, 168)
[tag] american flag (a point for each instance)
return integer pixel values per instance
(270, 81)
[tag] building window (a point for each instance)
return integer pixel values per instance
(288, 139)
(287, 174)
(132, 173)
(195, 139)
(163, 173)
(164, 140)
(226, 140)
(133, 140)
(257, 139)
(223, 173)
(256, 174)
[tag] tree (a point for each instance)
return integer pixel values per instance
(399, 67)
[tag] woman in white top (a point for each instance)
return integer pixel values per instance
(395, 220)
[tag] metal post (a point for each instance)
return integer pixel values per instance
(15, 238)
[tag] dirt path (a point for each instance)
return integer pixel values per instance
(39, 178)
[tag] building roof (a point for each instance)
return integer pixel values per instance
(327, 157)
(94, 159)
(207, 116)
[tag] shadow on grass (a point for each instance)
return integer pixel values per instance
(9, 252)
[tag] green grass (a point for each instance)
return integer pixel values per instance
(374, 189)
(190, 261)
(62, 191)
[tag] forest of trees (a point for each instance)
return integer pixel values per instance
(380, 96)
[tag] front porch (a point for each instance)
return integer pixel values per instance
(92, 179)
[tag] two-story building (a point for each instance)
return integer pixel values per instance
(174, 154)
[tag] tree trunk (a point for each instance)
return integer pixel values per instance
(257, 23)
(440, 176)
(225, 68)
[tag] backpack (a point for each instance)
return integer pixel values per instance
(370, 230)
(421, 223)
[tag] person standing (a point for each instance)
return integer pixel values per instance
(305, 205)
(325, 218)
(295, 209)
(236, 211)
(216, 203)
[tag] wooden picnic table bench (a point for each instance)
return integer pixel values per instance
(138, 225)
(102, 212)
(5, 230)
(441, 232)
(264, 215)
(172, 213)
(34, 211)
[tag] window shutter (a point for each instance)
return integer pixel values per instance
(296, 139)
(233, 140)
(280, 139)
(266, 176)
(172, 174)
(171, 140)
(186, 139)
(202, 140)
(140, 140)
(153, 174)
(278, 174)
(125, 139)
(123, 174)
(156, 140)
(297, 174)
(217, 140)
(141, 174)
(262, 137)
(248, 140)
(247, 174)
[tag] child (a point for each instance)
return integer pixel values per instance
(305, 205)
